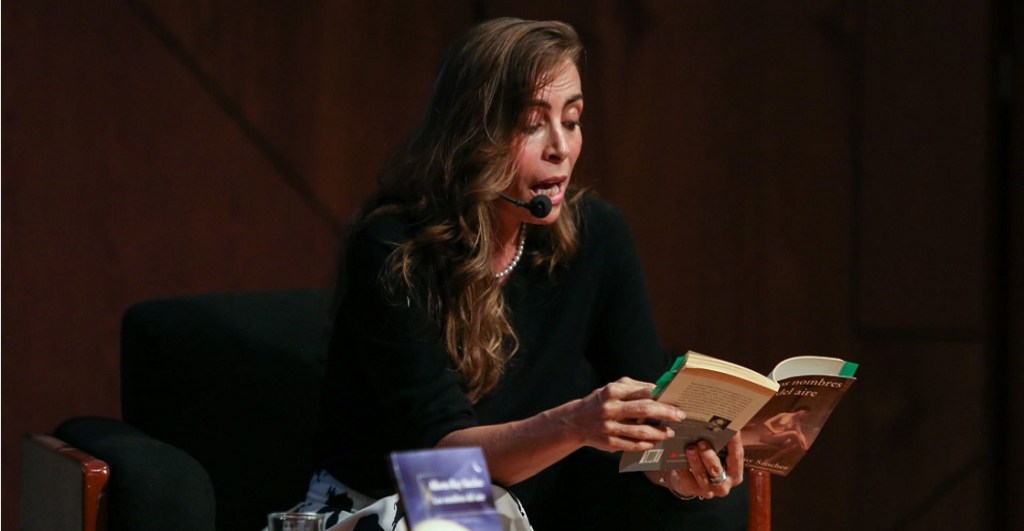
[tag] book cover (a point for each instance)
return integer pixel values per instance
(785, 428)
(445, 489)
(779, 415)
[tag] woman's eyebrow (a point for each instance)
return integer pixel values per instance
(543, 103)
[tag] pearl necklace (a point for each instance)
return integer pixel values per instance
(515, 259)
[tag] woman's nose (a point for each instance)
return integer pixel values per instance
(558, 146)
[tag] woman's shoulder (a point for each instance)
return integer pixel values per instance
(370, 242)
(600, 216)
(605, 237)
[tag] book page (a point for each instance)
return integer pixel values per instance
(812, 365)
(703, 394)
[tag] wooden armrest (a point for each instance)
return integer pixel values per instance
(760, 500)
(62, 487)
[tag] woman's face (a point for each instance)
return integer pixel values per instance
(549, 144)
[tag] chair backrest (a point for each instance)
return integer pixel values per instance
(234, 380)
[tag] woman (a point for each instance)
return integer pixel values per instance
(466, 320)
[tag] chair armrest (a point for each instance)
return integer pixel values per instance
(153, 485)
(62, 487)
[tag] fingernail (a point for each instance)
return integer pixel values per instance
(704, 445)
(680, 415)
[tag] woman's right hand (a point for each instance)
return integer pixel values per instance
(616, 417)
(612, 418)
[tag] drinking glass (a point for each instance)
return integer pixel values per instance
(295, 522)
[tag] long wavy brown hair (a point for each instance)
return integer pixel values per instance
(445, 182)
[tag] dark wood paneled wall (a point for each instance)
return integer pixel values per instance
(1008, 287)
(802, 177)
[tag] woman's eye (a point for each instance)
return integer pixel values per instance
(572, 125)
(533, 127)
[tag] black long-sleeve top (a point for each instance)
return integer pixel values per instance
(391, 384)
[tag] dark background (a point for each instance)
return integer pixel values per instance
(804, 177)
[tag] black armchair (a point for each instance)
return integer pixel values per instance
(219, 396)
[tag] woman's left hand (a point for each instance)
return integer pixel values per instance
(705, 466)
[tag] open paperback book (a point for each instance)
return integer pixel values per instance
(779, 415)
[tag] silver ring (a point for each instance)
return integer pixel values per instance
(719, 479)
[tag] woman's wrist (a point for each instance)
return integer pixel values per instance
(663, 481)
(566, 424)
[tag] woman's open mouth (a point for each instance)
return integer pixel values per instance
(547, 189)
(552, 187)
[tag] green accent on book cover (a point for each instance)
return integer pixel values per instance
(849, 369)
(666, 378)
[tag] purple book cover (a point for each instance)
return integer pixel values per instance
(447, 488)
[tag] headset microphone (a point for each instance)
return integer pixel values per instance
(539, 206)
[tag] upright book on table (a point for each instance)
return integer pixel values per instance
(445, 489)
(779, 415)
